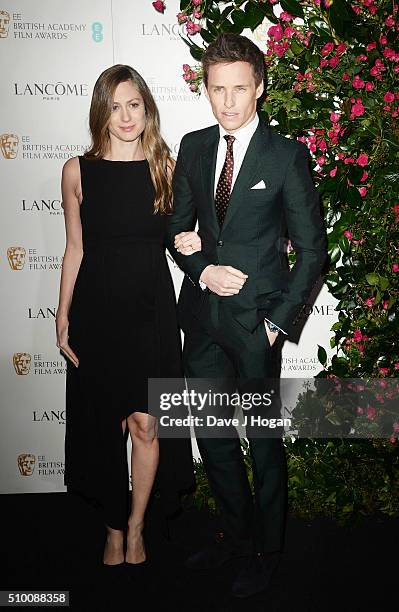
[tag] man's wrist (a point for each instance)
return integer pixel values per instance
(202, 281)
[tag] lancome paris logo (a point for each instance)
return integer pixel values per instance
(51, 206)
(41, 312)
(51, 91)
(12, 144)
(49, 416)
(38, 366)
(17, 27)
(20, 258)
(169, 30)
(168, 92)
(320, 310)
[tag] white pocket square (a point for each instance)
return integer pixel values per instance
(260, 185)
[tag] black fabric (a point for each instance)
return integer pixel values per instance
(123, 328)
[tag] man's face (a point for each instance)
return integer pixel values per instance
(233, 93)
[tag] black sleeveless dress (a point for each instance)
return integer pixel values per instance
(123, 328)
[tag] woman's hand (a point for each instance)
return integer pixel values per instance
(62, 324)
(187, 243)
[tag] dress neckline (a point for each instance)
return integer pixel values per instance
(121, 161)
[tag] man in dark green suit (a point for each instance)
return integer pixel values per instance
(249, 188)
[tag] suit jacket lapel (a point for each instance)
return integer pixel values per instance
(208, 167)
(251, 166)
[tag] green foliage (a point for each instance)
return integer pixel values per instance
(333, 478)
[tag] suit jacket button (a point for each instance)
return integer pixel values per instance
(220, 243)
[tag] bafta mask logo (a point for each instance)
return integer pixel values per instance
(16, 257)
(26, 464)
(22, 363)
(9, 145)
(4, 24)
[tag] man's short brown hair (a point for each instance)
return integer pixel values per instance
(230, 47)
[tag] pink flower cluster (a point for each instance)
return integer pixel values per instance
(279, 36)
(334, 59)
(357, 341)
(348, 234)
(192, 28)
(191, 77)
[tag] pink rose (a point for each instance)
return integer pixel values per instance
(348, 234)
(369, 302)
(357, 336)
(349, 160)
(276, 32)
(364, 176)
(389, 97)
(159, 6)
(395, 267)
(371, 413)
(327, 48)
(333, 172)
(186, 67)
(362, 160)
(357, 109)
(362, 191)
(284, 16)
(192, 28)
(383, 371)
(369, 86)
(357, 82)
(334, 117)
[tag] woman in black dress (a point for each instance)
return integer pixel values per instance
(116, 320)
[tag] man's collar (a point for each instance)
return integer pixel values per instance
(245, 133)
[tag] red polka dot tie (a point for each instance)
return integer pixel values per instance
(223, 188)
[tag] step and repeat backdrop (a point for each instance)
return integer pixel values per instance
(52, 52)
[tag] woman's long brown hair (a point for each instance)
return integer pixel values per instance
(155, 148)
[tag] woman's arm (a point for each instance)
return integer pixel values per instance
(71, 196)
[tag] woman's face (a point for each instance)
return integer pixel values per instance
(127, 121)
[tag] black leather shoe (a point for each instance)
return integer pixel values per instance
(256, 574)
(215, 555)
